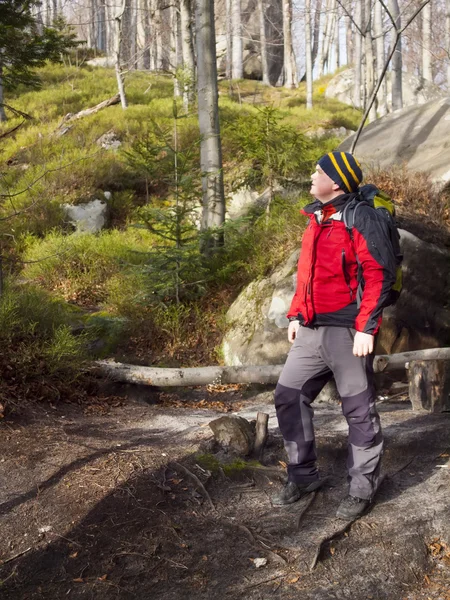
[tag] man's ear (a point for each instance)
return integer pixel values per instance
(336, 187)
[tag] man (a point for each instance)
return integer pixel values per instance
(333, 332)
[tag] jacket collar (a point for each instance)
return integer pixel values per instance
(329, 208)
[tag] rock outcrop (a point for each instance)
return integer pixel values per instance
(417, 136)
(257, 333)
(415, 90)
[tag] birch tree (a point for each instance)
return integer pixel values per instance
(237, 71)
(187, 48)
(117, 55)
(369, 70)
(357, 58)
(290, 76)
(263, 42)
(308, 55)
(396, 40)
(379, 52)
(426, 43)
(315, 47)
(447, 40)
(213, 212)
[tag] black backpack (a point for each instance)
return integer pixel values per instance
(370, 195)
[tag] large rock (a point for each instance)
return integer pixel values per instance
(417, 136)
(87, 218)
(234, 434)
(257, 319)
(415, 91)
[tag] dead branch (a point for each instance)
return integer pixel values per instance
(18, 555)
(88, 111)
(197, 482)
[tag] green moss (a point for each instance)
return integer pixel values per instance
(233, 468)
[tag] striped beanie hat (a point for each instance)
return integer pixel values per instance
(343, 169)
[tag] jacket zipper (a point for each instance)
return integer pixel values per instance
(346, 277)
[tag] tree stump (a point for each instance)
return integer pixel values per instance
(429, 385)
(262, 430)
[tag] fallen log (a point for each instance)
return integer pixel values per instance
(265, 374)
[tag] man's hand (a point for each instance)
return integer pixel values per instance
(362, 344)
(292, 330)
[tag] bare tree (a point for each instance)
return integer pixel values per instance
(213, 213)
(396, 41)
(369, 71)
(308, 57)
(237, 71)
(447, 39)
(379, 49)
(357, 58)
(290, 76)
(427, 72)
(187, 48)
(263, 42)
(398, 33)
(315, 47)
(117, 51)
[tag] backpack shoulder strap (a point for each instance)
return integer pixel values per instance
(348, 214)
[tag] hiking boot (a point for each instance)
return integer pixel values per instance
(352, 507)
(292, 492)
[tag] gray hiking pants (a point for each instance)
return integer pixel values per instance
(316, 355)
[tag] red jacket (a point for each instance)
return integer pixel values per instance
(327, 280)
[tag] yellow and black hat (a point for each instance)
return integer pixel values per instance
(343, 169)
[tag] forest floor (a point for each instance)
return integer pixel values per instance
(94, 504)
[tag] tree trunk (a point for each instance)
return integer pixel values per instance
(357, 55)
(237, 70)
(188, 52)
(380, 57)
(328, 37)
(447, 41)
(308, 57)
(262, 42)
(229, 37)
(176, 58)
(213, 212)
(427, 72)
(118, 48)
(337, 48)
(321, 58)
(3, 117)
(261, 434)
(397, 94)
(369, 73)
(101, 27)
(92, 23)
(349, 40)
(290, 77)
(157, 35)
(429, 385)
(315, 46)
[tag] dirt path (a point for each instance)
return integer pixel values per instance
(93, 506)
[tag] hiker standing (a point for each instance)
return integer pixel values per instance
(332, 331)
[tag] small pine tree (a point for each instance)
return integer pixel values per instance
(174, 268)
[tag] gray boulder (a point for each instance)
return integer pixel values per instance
(416, 136)
(415, 90)
(87, 218)
(257, 319)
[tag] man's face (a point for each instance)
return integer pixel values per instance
(323, 187)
